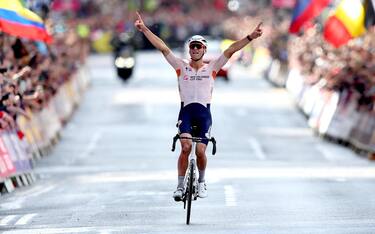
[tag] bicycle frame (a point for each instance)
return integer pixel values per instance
(190, 190)
(192, 163)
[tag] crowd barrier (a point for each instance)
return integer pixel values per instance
(38, 133)
(334, 115)
(276, 72)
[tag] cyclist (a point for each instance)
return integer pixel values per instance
(195, 83)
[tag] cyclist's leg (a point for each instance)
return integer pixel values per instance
(201, 163)
(201, 159)
(204, 125)
(182, 165)
(184, 129)
(184, 155)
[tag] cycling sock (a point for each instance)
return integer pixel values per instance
(201, 176)
(180, 181)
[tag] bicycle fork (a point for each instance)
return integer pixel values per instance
(192, 165)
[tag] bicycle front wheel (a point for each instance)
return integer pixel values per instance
(189, 194)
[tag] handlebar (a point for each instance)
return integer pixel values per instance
(195, 139)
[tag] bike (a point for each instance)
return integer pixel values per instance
(190, 189)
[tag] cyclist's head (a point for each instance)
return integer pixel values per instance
(197, 47)
(197, 39)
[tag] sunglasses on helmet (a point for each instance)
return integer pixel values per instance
(195, 45)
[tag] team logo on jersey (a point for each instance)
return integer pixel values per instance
(186, 77)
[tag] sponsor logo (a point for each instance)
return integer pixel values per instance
(199, 77)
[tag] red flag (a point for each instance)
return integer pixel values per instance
(346, 23)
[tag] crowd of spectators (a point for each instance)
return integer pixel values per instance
(176, 20)
(350, 70)
(31, 72)
(173, 20)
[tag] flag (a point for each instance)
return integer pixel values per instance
(370, 13)
(304, 11)
(346, 23)
(22, 22)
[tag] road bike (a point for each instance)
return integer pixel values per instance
(190, 189)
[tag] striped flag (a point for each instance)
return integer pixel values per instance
(21, 22)
(304, 11)
(346, 23)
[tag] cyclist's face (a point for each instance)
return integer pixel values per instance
(196, 50)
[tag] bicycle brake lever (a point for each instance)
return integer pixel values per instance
(213, 146)
(175, 138)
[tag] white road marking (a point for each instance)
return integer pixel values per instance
(326, 153)
(25, 219)
(52, 230)
(337, 153)
(274, 225)
(45, 190)
(257, 148)
(17, 201)
(230, 196)
(285, 131)
(223, 98)
(70, 230)
(7, 220)
(218, 174)
(341, 180)
(92, 145)
(241, 112)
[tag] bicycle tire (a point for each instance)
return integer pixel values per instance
(189, 194)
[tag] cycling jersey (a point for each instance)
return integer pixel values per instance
(196, 86)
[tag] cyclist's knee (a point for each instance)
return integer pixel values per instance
(186, 148)
(201, 152)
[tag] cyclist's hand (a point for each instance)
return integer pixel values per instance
(139, 23)
(257, 32)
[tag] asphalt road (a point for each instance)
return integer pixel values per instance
(113, 171)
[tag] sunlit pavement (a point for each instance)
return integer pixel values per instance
(113, 171)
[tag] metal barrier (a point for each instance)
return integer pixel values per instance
(18, 152)
(334, 114)
(330, 114)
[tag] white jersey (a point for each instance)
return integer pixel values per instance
(196, 86)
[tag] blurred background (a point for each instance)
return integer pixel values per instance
(61, 54)
(314, 49)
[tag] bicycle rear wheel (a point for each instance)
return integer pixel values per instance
(189, 193)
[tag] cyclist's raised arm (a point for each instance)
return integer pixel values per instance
(238, 45)
(155, 40)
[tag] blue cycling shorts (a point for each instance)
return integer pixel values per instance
(195, 114)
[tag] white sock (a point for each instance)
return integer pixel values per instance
(201, 176)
